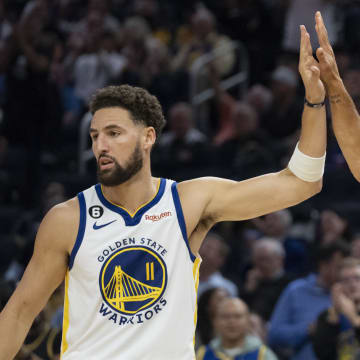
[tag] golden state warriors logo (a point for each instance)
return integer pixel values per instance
(132, 279)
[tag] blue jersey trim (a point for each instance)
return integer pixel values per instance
(136, 218)
(81, 231)
(181, 219)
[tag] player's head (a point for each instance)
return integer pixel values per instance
(126, 123)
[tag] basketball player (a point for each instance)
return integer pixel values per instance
(345, 117)
(128, 246)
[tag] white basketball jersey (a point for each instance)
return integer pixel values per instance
(132, 281)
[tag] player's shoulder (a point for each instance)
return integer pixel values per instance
(65, 211)
(63, 216)
(60, 224)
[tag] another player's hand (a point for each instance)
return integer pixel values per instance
(309, 70)
(325, 53)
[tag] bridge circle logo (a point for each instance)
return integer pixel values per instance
(132, 279)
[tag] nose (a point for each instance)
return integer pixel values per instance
(101, 144)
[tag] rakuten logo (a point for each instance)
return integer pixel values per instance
(158, 217)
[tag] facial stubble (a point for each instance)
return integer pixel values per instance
(118, 174)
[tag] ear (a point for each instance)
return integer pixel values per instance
(149, 137)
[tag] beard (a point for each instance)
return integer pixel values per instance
(118, 174)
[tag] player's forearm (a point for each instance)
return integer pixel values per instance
(313, 132)
(13, 331)
(346, 125)
(308, 159)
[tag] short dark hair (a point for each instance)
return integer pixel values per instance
(143, 107)
(326, 251)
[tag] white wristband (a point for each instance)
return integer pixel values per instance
(306, 167)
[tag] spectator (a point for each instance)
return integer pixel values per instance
(109, 22)
(208, 301)
(12, 172)
(136, 33)
(282, 118)
(266, 280)
(259, 97)
(25, 229)
(44, 338)
(249, 148)
(98, 67)
(337, 331)
(205, 38)
(214, 252)
(355, 246)
(277, 225)
(234, 341)
(169, 87)
(258, 326)
(30, 94)
(292, 322)
(255, 23)
(183, 149)
(332, 226)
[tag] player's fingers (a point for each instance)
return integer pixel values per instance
(305, 45)
(321, 31)
(325, 58)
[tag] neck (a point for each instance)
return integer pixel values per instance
(232, 343)
(135, 192)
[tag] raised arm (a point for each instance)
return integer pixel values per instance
(345, 117)
(44, 273)
(210, 200)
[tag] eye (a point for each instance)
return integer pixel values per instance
(94, 137)
(113, 133)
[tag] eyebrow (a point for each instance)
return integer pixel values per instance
(108, 127)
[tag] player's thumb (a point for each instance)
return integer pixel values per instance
(315, 71)
(320, 53)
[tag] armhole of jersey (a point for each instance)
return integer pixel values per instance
(81, 230)
(180, 217)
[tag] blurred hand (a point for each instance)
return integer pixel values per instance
(253, 278)
(344, 305)
(309, 70)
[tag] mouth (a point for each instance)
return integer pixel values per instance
(105, 163)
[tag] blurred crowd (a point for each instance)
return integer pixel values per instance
(283, 286)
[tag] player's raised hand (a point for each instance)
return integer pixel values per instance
(325, 53)
(309, 70)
